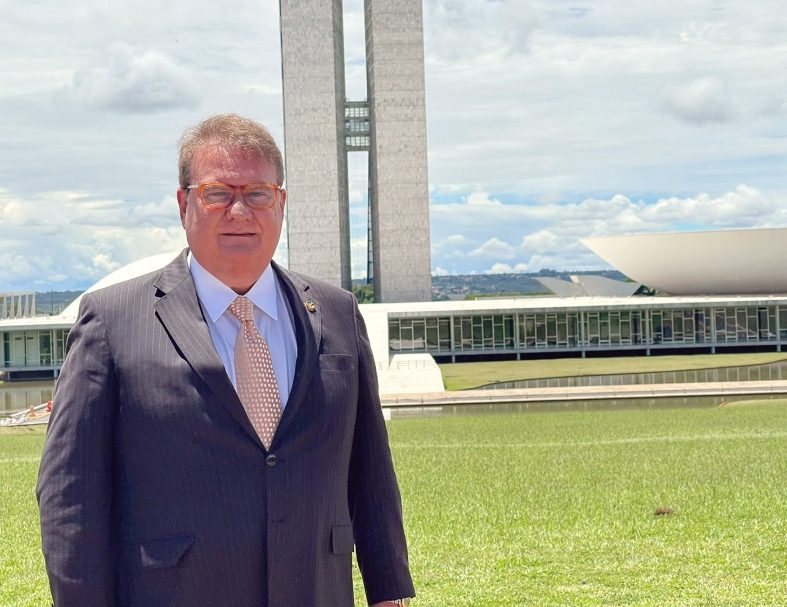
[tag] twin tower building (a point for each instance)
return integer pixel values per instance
(321, 126)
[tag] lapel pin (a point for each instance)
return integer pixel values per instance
(310, 306)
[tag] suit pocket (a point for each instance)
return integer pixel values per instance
(161, 553)
(342, 540)
(336, 362)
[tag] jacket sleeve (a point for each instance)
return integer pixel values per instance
(375, 504)
(74, 487)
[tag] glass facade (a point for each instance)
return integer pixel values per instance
(37, 348)
(681, 326)
(484, 332)
(590, 329)
(420, 334)
(6, 349)
(749, 324)
(549, 330)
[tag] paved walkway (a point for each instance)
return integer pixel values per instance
(475, 397)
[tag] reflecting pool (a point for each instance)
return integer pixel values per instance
(767, 372)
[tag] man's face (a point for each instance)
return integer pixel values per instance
(235, 244)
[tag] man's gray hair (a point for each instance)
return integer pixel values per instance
(227, 132)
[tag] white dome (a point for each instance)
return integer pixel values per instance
(723, 262)
(131, 270)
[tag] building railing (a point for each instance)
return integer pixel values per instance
(17, 305)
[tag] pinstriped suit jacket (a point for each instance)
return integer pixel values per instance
(155, 491)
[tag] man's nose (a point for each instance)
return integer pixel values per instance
(238, 207)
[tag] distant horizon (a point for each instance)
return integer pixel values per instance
(356, 281)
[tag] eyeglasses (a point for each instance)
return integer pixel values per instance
(256, 196)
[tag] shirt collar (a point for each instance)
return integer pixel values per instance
(216, 297)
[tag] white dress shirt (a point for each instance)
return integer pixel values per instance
(272, 317)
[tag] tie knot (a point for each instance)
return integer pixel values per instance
(242, 308)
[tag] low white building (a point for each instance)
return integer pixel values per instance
(408, 339)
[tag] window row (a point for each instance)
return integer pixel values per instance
(33, 348)
(357, 142)
(356, 110)
(356, 126)
(556, 330)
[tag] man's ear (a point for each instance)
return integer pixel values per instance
(183, 203)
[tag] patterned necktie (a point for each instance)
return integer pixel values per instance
(254, 376)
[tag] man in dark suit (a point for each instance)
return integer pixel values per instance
(161, 486)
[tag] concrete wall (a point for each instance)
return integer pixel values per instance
(400, 198)
(318, 232)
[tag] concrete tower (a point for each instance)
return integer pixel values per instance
(318, 224)
(321, 127)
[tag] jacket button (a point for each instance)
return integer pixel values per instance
(270, 460)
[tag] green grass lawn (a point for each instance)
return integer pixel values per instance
(22, 577)
(549, 509)
(461, 376)
(559, 508)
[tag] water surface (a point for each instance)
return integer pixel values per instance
(766, 372)
(15, 396)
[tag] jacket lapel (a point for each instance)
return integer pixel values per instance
(178, 309)
(307, 323)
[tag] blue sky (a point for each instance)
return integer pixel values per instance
(548, 121)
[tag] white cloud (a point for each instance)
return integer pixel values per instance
(454, 245)
(744, 207)
(480, 198)
(499, 268)
(103, 262)
(281, 255)
(18, 266)
(550, 233)
(438, 271)
(543, 240)
(701, 101)
(12, 212)
(494, 247)
(474, 31)
(357, 196)
(71, 239)
(455, 240)
(605, 100)
(358, 257)
(135, 80)
(504, 268)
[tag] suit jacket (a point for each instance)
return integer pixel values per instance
(155, 491)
